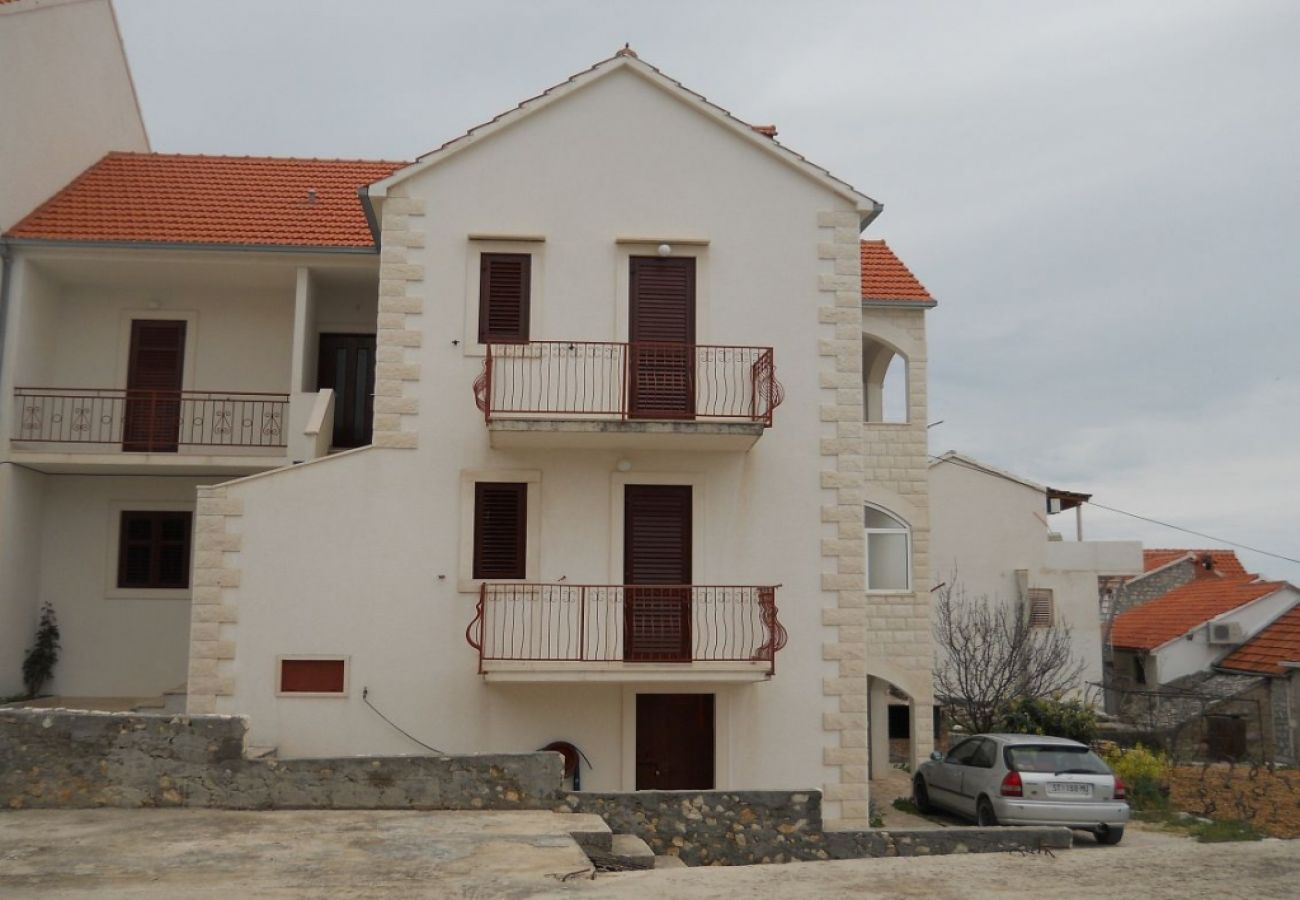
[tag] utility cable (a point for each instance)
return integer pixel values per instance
(365, 698)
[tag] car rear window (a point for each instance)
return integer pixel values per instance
(1055, 759)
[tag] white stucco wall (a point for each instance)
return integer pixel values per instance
(374, 574)
(115, 643)
(21, 518)
(67, 98)
(987, 527)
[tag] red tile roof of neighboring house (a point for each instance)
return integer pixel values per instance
(1225, 561)
(1181, 610)
(884, 277)
(224, 200)
(1266, 651)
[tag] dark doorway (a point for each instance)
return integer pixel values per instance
(661, 336)
(152, 416)
(1225, 738)
(657, 572)
(347, 366)
(674, 742)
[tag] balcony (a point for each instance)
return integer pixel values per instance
(545, 394)
(183, 424)
(625, 633)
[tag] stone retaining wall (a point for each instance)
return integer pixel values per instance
(745, 827)
(71, 759)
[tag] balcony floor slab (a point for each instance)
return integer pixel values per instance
(147, 463)
(524, 672)
(597, 434)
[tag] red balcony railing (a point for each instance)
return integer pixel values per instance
(150, 421)
(606, 380)
(626, 623)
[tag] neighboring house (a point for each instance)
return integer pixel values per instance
(66, 94)
(66, 99)
(581, 507)
(1173, 630)
(1274, 653)
(991, 537)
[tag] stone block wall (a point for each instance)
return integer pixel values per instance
(213, 617)
(733, 828)
(401, 306)
(67, 759)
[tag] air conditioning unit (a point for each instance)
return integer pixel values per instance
(1225, 633)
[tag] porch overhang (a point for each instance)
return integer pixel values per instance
(593, 434)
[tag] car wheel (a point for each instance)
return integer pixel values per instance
(1112, 835)
(985, 817)
(921, 796)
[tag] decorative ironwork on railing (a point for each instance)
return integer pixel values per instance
(150, 421)
(523, 622)
(645, 380)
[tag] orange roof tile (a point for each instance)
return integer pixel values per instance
(884, 277)
(222, 200)
(1184, 608)
(1266, 651)
(1225, 561)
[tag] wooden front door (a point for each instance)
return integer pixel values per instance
(151, 418)
(657, 572)
(346, 365)
(674, 742)
(661, 338)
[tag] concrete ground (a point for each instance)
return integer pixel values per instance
(210, 853)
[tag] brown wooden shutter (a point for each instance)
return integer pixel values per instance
(661, 330)
(657, 552)
(312, 676)
(500, 530)
(155, 371)
(1042, 612)
(154, 549)
(503, 296)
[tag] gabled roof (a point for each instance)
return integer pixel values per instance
(627, 59)
(1186, 608)
(1270, 649)
(1224, 562)
(885, 279)
(226, 201)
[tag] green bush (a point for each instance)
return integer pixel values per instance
(38, 667)
(1144, 772)
(1071, 719)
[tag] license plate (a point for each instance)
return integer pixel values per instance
(1069, 788)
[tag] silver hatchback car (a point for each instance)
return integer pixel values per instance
(1025, 779)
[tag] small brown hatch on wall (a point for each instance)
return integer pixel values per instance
(313, 676)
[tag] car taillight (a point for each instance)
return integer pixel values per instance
(1121, 792)
(1012, 785)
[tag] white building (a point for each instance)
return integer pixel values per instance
(991, 535)
(611, 490)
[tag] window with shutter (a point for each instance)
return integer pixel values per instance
(154, 549)
(1041, 611)
(503, 292)
(500, 529)
(313, 676)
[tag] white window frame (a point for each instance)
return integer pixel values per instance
(466, 583)
(904, 529)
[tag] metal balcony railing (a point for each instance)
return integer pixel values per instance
(578, 623)
(150, 421)
(608, 380)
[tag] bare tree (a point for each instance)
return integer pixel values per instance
(989, 655)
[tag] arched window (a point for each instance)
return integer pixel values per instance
(889, 551)
(884, 382)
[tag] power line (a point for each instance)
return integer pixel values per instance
(963, 464)
(1197, 533)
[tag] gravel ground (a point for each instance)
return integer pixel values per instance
(1153, 866)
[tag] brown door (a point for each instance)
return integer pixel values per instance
(657, 572)
(674, 742)
(346, 365)
(661, 336)
(155, 369)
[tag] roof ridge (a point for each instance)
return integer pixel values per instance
(249, 157)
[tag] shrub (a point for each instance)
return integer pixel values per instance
(1071, 719)
(38, 667)
(1145, 773)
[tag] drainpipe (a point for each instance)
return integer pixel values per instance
(6, 263)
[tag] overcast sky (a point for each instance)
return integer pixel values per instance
(1103, 196)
